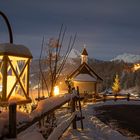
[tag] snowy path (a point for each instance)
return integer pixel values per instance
(94, 129)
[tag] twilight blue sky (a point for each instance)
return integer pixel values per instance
(107, 27)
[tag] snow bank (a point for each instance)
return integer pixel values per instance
(35, 135)
(59, 130)
(106, 131)
(3, 123)
(22, 117)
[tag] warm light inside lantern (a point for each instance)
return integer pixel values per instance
(56, 90)
(10, 83)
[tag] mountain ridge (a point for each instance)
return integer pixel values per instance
(127, 58)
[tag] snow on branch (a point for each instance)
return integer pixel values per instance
(59, 130)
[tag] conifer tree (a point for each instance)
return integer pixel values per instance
(116, 84)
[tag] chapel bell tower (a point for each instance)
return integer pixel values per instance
(84, 56)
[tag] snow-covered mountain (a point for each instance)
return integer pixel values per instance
(128, 58)
(74, 53)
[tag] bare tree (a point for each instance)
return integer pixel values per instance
(54, 58)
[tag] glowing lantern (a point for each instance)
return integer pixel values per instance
(14, 73)
(56, 90)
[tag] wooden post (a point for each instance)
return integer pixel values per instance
(81, 115)
(12, 121)
(104, 97)
(73, 110)
(128, 96)
(115, 97)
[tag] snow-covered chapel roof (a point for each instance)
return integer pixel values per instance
(84, 78)
(85, 69)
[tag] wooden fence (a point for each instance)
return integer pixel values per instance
(13, 130)
(116, 97)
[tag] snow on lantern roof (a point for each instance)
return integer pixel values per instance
(84, 78)
(84, 52)
(15, 50)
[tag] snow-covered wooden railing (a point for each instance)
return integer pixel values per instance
(24, 120)
(46, 107)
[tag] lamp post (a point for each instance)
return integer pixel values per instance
(14, 70)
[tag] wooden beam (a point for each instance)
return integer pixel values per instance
(4, 79)
(28, 77)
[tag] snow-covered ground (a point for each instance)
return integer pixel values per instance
(94, 129)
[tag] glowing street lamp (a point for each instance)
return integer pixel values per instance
(56, 91)
(14, 70)
(14, 73)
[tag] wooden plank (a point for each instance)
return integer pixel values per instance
(57, 136)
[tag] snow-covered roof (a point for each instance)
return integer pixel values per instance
(84, 68)
(84, 78)
(15, 50)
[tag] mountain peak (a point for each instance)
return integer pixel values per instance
(127, 57)
(74, 54)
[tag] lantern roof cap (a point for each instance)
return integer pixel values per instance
(15, 50)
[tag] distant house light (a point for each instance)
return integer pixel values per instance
(56, 90)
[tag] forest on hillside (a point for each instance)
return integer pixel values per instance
(106, 69)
